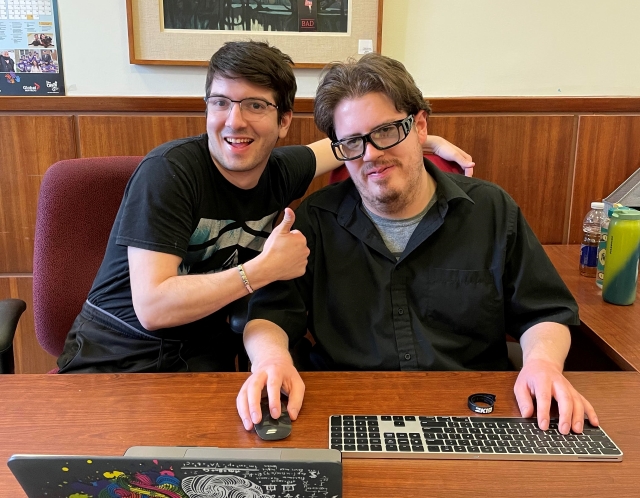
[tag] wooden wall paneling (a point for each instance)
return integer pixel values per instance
(132, 135)
(303, 131)
(29, 145)
(528, 156)
(29, 356)
(608, 152)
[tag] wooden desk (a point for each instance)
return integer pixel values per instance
(106, 414)
(615, 329)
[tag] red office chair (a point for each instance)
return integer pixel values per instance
(448, 166)
(78, 202)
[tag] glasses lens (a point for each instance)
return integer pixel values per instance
(218, 103)
(254, 106)
(351, 147)
(388, 135)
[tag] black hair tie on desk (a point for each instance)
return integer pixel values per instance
(486, 398)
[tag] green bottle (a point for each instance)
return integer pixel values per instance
(623, 250)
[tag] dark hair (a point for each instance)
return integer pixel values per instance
(356, 78)
(260, 64)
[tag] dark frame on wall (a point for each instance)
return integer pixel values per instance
(151, 43)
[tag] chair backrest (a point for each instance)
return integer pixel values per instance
(78, 202)
(341, 173)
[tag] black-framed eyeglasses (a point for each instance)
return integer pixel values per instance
(383, 137)
(251, 108)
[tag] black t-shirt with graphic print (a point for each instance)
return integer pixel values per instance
(177, 202)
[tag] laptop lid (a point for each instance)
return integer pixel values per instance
(183, 472)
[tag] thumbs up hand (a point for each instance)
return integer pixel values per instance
(285, 252)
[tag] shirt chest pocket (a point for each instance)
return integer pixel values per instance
(462, 300)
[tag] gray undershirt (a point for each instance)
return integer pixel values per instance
(396, 233)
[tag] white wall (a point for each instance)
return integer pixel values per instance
(452, 47)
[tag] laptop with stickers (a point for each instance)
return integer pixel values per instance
(183, 472)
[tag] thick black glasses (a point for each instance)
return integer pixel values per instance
(383, 137)
(251, 108)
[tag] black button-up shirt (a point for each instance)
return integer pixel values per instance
(471, 272)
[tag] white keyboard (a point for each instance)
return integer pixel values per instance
(496, 438)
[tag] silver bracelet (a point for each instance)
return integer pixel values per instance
(244, 278)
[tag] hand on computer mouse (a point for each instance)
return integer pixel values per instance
(269, 428)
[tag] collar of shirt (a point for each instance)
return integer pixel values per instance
(345, 200)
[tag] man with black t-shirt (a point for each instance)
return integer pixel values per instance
(195, 233)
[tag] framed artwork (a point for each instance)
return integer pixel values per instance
(312, 32)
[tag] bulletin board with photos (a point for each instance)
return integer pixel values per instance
(30, 59)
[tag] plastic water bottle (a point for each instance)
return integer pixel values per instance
(591, 239)
(623, 251)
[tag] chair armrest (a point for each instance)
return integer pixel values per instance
(10, 312)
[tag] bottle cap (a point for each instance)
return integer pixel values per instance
(630, 214)
(597, 205)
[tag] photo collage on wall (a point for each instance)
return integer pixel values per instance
(30, 58)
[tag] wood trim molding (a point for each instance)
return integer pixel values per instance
(441, 105)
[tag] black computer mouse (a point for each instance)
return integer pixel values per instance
(272, 429)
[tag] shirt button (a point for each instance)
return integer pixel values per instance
(400, 311)
(407, 356)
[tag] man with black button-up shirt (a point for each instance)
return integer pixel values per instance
(410, 268)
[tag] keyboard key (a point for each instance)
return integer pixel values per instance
(389, 441)
(526, 450)
(410, 418)
(349, 440)
(349, 447)
(376, 447)
(580, 451)
(363, 447)
(433, 449)
(385, 417)
(513, 450)
(362, 441)
(360, 423)
(336, 440)
(349, 434)
(372, 423)
(418, 448)
(486, 449)
(460, 449)
(499, 449)
(473, 449)
(610, 451)
(595, 451)
(347, 417)
(417, 441)
(375, 440)
(414, 434)
(361, 434)
(427, 419)
(391, 447)
(336, 420)
(336, 447)
(446, 449)
(404, 447)
(566, 451)
(398, 423)
(402, 434)
(477, 443)
(403, 441)
(553, 451)
(398, 417)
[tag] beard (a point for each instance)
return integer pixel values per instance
(386, 198)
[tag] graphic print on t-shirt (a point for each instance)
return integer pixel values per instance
(224, 238)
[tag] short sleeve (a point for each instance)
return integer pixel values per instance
(158, 208)
(297, 167)
(534, 292)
